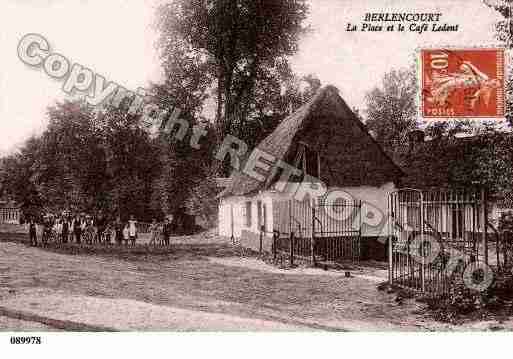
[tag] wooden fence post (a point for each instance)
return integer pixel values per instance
(506, 243)
(504, 238)
(292, 249)
(261, 239)
(497, 250)
(484, 210)
(276, 235)
(312, 241)
(326, 240)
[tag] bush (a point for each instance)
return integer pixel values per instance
(462, 303)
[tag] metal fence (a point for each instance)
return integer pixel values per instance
(435, 235)
(503, 249)
(318, 233)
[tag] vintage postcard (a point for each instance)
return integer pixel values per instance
(249, 166)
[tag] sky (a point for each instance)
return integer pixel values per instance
(116, 38)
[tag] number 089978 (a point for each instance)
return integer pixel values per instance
(25, 340)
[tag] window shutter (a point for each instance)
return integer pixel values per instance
(248, 214)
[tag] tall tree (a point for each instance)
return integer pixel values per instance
(71, 159)
(494, 162)
(241, 46)
(86, 160)
(18, 177)
(130, 162)
(391, 111)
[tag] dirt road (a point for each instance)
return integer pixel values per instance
(197, 287)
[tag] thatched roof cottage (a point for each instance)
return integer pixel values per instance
(323, 140)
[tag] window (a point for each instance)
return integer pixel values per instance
(458, 222)
(247, 213)
(264, 223)
(259, 214)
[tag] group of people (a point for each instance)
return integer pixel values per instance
(67, 228)
(161, 232)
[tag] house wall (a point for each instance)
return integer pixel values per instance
(224, 218)
(374, 207)
(238, 204)
(373, 214)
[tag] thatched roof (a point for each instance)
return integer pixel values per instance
(348, 153)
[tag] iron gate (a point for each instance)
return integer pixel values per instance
(317, 232)
(434, 235)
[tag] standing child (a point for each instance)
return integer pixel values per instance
(83, 226)
(118, 228)
(132, 227)
(77, 229)
(166, 231)
(108, 233)
(33, 232)
(47, 230)
(100, 223)
(161, 234)
(65, 229)
(126, 234)
(90, 231)
(57, 229)
(154, 232)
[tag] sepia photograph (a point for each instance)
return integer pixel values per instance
(255, 166)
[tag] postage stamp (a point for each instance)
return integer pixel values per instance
(465, 83)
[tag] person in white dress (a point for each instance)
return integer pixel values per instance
(132, 228)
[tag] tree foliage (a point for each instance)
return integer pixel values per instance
(451, 159)
(228, 54)
(454, 154)
(504, 33)
(494, 162)
(391, 111)
(84, 161)
(238, 48)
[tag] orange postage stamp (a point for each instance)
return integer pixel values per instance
(462, 83)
